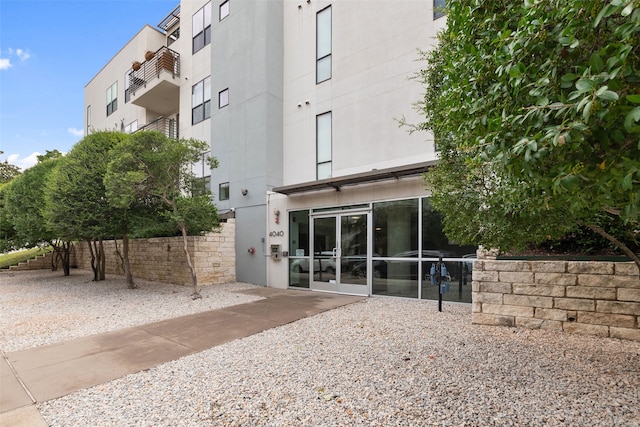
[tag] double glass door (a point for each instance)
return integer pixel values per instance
(340, 255)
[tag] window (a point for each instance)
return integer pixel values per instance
(439, 8)
(323, 145)
(112, 98)
(128, 77)
(202, 28)
(223, 98)
(88, 119)
(175, 35)
(131, 127)
(223, 191)
(201, 101)
(323, 45)
(224, 10)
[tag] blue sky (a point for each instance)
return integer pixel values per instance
(49, 50)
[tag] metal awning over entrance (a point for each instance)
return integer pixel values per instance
(359, 178)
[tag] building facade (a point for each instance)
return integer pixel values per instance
(300, 102)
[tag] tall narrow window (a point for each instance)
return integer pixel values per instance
(439, 8)
(323, 45)
(112, 98)
(202, 27)
(128, 77)
(223, 191)
(88, 120)
(201, 101)
(224, 10)
(323, 145)
(223, 98)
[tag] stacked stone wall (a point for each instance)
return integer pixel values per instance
(596, 298)
(40, 262)
(163, 259)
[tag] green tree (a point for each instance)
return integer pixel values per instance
(7, 230)
(49, 154)
(534, 107)
(7, 171)
(149, 167)
(76, 202)
(24, 202)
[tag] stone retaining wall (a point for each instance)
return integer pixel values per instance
(597, 298)
(40, 262)
(163, 259)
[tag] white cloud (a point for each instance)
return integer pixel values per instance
(76, 132)
(23, 54)
(25, 163)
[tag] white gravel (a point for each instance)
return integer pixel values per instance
(43, 307)
(380, 362)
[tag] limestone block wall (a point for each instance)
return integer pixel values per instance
(598, 298)
(163, 259)
(38, 263)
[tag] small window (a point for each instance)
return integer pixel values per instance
(223, 191)
(88, 120)
(112, 98)
(439, 8)
(201, 100)
(223, 98)
(224, 10)
(202, 27)
(175, 35)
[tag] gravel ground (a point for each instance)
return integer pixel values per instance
(43, 307)
(380, 362)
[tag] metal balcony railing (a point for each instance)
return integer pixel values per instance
(167, 126)
(164, 60)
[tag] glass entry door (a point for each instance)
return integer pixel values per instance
(340, 257)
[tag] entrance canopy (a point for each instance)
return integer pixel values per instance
(358, 178)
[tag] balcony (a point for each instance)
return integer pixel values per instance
(155, 83)
(165, 125)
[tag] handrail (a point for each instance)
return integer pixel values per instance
(164, 60)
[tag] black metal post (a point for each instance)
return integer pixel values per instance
(439, 282)
(461, 272)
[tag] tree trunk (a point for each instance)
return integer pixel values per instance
(103, 260)
(115, 242)
(56, 256)
(127, 265)
(624, 248)
(66, 257)
(194, 278)
(94, 267)
(98, 259)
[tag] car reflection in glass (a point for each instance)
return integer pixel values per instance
(380, 266)
(326, 264)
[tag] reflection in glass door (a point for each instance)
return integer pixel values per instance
(353, 252)
(324, 251)
(341, 252)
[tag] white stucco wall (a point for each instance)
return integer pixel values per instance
(374, 51)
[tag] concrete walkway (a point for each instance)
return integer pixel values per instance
(52, 371)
